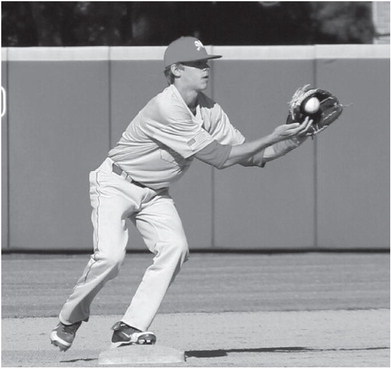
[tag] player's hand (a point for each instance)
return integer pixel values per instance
(306, 125)
(302, 135)
(285, 131)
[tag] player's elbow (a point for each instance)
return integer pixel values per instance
(221, 166)
(217, 164)
(226, 164)
(216, 155)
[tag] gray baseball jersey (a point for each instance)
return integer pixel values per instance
(159, 144)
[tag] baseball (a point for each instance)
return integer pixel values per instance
(312, 105)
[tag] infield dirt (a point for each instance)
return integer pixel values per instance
(288, 310)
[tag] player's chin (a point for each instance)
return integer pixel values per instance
(204, 83)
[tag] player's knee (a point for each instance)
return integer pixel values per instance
(175, 249)
(112, 260)
(180, 248)
(185, 253)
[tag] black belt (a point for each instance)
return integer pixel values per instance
(117, 170)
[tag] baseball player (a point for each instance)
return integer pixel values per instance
(179, 124)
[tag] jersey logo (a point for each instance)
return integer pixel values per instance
(199, 140)
(198, 44)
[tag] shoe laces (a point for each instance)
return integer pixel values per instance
(71, 328)
(121, 326)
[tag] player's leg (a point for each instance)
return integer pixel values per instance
(110, 208)
(163, 233)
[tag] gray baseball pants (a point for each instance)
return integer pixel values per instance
(114, 200)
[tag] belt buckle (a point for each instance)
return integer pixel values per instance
(126, 176)
(116, 169)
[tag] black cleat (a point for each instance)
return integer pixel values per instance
(126, 335)
(63, 335)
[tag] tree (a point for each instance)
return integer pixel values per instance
(157, 23)
(342, 22)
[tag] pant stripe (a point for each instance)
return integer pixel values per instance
(96, 247)
(97, 213)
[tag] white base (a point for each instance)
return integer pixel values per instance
(141, 354)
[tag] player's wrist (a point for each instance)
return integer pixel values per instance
(296, 140)
(273, 138)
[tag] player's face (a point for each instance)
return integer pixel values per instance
(196, 74)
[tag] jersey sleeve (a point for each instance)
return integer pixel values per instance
(174, 128)
(221, 128)
(214, 154)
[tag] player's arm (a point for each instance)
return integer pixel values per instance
(272, 152)
(278, 149)
(224, 156)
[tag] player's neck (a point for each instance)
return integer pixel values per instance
(190, 97)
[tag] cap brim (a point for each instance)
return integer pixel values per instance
(215, 56)
(204, 58)
(168, 63)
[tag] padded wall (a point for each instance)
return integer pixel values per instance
(270, 207)
(4, 153)
(68, 106)
(58, 132)
(353, 168)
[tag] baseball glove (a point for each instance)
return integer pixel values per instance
(329, 108)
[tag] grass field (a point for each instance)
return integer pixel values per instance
(262, 310)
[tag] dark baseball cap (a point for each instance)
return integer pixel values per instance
(186, 49)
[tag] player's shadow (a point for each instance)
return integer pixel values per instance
(221, 352)
(76, 360)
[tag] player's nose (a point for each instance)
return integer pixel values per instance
(205, 65)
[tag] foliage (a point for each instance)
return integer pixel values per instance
(158, 23)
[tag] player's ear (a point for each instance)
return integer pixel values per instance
(176, 69)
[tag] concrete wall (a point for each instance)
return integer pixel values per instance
(68, 106)
(4, 157)
(353, 160)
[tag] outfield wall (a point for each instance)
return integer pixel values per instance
(67, 106)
